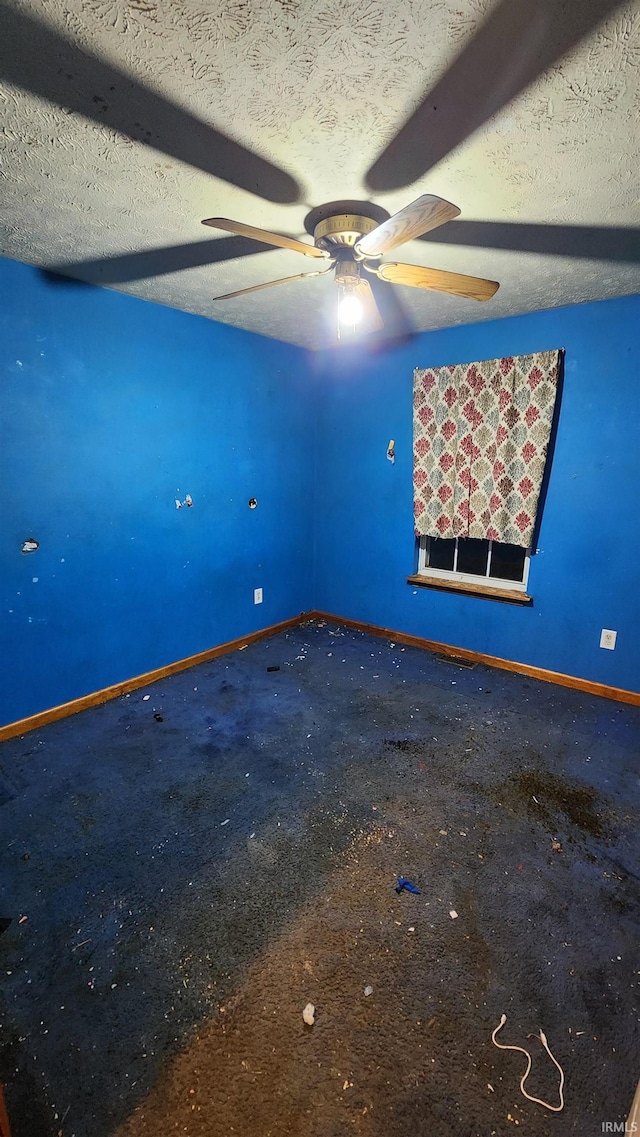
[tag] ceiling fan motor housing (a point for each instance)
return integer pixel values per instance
(340, 230)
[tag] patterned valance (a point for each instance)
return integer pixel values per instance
(480, 435)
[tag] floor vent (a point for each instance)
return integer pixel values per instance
(456, 661)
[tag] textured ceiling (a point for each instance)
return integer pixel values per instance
(144, 114)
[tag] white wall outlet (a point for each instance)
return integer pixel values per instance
(257, 597)
(608, 638)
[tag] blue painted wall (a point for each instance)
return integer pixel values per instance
(585, 575)
(110, 408)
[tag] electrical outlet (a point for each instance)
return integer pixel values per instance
(608, 639)
(257, 596)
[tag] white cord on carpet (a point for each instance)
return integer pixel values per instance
(543, 1040)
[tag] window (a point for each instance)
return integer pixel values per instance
(481, 432)
(467, 561)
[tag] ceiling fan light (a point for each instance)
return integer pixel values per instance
(350, 309)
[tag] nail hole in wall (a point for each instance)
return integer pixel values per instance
(30, 545)
(253, 501)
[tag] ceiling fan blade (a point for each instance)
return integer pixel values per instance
(437, 280)
(271, 283)
(147, 263)
(592, 242)
(519, 41)
(265, 236)
(423, 214)
(38, 59)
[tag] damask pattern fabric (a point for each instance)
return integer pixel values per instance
(480, 434)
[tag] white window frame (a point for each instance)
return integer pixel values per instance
(466, 577)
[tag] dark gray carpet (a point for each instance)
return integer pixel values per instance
(191, 883)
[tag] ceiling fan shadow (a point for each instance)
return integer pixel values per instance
(591, 242)
(50, 276)
(146, 263)
(38, 59)
(519, 41)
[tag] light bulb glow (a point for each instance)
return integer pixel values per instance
(350, 309)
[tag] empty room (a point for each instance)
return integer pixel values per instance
(319, 548)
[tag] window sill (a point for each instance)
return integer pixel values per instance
(489, 591)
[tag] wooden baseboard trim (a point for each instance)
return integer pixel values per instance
(96, 698)
(617, 693)
(5, 1130)
(633, 1121)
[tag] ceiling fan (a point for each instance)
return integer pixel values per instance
(354, 236)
